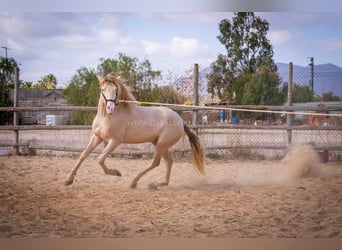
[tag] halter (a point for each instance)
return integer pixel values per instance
(115, 101)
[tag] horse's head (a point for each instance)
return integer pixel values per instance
(109, 94)
(113, 90)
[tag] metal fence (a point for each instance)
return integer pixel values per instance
(226, 131)
(325, 82)
(221, 135)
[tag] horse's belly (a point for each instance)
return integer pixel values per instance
(139, 136)
(154, 134)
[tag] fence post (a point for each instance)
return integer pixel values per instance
(289, 103)
(15, 113)
(195, 103)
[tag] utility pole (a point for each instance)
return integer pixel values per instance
(311, 64)
(6, 62)
(5, 48)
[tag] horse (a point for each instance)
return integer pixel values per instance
(120, 120)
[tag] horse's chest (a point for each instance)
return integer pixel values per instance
(108, 132)
(99, 132)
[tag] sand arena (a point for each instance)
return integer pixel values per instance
(295, 197)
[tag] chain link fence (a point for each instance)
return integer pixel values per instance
(220, 138)
(321, 84)
(224, 134)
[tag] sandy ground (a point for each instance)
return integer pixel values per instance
(296, 197)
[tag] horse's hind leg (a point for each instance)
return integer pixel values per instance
(155, 163)
(94, 141)
(168, 161)
(101, 160)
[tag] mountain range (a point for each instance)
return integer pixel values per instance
(327, 78)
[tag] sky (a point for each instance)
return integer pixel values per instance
(62, 42)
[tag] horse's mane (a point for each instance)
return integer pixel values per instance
(123, 93)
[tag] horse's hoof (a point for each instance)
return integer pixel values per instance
(133, 184)
(153, 186)
(113, 172)
(117, 172)
(68, 182)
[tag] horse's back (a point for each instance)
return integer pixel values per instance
(159, 115)
(161, 123)
(172, 127)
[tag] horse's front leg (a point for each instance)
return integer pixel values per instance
(94, 141)
(112, 144)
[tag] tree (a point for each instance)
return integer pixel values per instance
(247, 50)
(26, 84)
(47, 82)
(302, 93)
(263, 88)
(236, 94)
(328, 97)
(7, 78)
(83, 90)
(139, 76)
(167, 94)
(7, 75)
(125, 66)
(174, 89)
(220, 79)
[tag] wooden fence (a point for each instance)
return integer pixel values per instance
(216, 136)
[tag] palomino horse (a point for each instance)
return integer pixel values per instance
(120, 122)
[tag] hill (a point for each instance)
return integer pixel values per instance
(327, 78)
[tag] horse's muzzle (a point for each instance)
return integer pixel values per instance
(110, 108)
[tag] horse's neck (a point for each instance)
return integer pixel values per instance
(101, 110)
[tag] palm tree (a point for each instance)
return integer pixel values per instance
(47, 82)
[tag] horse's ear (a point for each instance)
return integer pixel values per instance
(99, 78)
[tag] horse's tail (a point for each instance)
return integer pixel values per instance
(197, 150)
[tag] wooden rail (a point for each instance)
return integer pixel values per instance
(202, 129)
(333, 108)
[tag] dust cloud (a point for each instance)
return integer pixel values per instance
(300, 162)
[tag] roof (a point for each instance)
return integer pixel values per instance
(29, 94)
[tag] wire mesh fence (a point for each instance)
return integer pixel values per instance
(222, 137)
(324, 83)
(224, 134)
